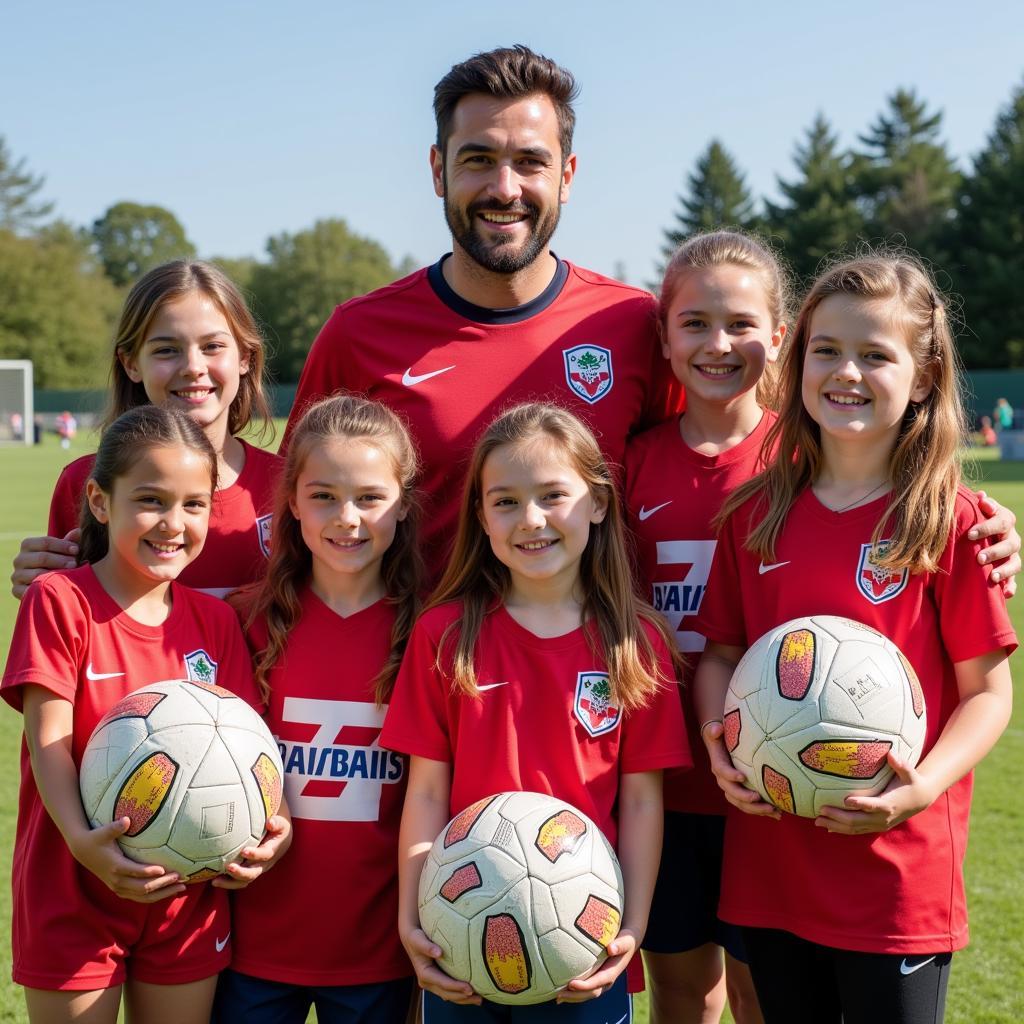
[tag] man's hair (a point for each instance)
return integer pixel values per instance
(507, 73)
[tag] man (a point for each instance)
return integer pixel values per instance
(500, 319)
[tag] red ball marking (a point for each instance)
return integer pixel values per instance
(461, 825)
(462, 881)
(139, 704)
(144, 792)
(794, 669)
(732, 725)
(505, 954)
(560, 834)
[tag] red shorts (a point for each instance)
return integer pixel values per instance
(97, 940)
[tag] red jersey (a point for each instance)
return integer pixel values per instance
(543, 720)
(73, 639)
(900, 891)
(238, 542)
(332, 902)
(672, 495)
(449, 368)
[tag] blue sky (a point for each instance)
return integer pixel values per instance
(247, 119)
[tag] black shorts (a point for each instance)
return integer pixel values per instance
(801, 982)
(684, 910)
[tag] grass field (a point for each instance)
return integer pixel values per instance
(987, 985)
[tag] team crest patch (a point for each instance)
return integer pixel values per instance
(200, 667)
(593, 705)
(263, 533)
(874, 582)
(588, 371)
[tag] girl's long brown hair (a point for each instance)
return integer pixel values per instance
(925, 464)
(167, 283)
(123, 443)
(476, 578)
(277, 596)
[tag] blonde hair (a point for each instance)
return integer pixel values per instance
(732, 248)
(276, 597)
(613, 611)
(924, 467)
(168, 283)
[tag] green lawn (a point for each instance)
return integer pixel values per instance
(987, 984)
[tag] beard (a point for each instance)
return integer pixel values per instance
(500, 257)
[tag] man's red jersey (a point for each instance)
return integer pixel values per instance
(74, 640)
(900, 891)
(332, 902)
(238, 541)
(449, 368)
(672, 496)
(543, 720)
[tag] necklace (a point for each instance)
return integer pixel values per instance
(863, 497)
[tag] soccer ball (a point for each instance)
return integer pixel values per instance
(194, 768)
(522, 893)
(814, 707)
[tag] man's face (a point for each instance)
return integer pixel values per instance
(503, 179)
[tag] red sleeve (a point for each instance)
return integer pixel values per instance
(654, 737)
(720, 618)
(322, 373)
(972, 612)
(65, 505)
(417, 716)
(50, 636)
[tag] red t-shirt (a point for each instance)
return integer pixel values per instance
(238, 542)
(449, 368)
(900, 891)
(333, 900)
(72, 638)
(672, 494)
(542, 721)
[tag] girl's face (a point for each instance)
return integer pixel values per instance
(190, 360)
(537, 511)
(348, 502)
(859, 375)
(719, 335)
(156, 514)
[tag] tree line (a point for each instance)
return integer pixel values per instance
(62, 284)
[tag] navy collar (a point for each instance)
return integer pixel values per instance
(481, 314)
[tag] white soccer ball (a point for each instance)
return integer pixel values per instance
(194, 768)
(523, 893)
(814, 707)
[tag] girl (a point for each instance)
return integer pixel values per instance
(87, 921)
(722, 316)
(344, 577)
(186, 340)
(537, 597)
(861, 514)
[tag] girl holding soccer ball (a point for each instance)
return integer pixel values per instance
(186, 340)
(327, 627)
(854, 916)
(536, 598)
(87, 921)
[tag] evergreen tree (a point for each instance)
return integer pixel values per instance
(819, 215)
(717, 197)
(907, 180)
(19, 212)
(990, 246)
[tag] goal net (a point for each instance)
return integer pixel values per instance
(16, 412)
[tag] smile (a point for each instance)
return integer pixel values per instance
(717, 371)
(165, 549)
(193, 394)
(345, 544)
(536, 545)
(838, 399)
(503, 218)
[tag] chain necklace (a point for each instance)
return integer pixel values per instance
(863, 497)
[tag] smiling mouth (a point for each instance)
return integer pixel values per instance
(717, 371)
(848, 401)
(536, 545)
(345, 544)
(165, 549)
(193, 394)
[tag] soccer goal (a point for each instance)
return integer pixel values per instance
(16, 412)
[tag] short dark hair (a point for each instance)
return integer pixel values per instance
(508, 73)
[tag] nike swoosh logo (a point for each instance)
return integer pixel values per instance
(221, 943)
(410, 379)
(906, 968)
(89, 674)
(762, 568)
(490, 686)
(646, 513)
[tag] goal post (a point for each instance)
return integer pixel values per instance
(17, 415)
